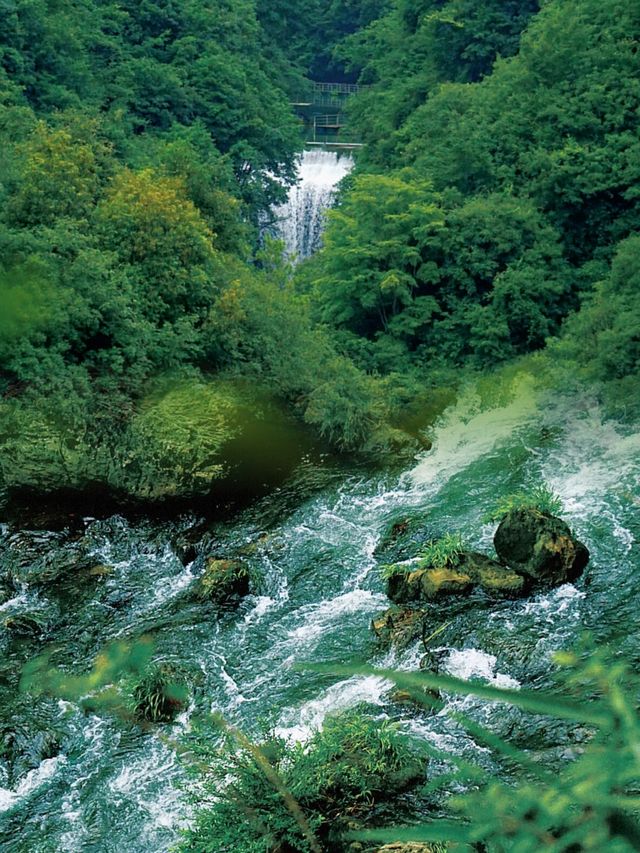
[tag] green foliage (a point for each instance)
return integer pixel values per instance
(173, 443)
(498, 178)
(160, 695)
(540, 497)
(591, 803)
(603, 339)
(477, 282)
(443, 553)
(298, 796)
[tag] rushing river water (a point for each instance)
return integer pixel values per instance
(111, 787)
(301, 219)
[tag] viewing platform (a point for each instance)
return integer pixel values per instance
(322, 128)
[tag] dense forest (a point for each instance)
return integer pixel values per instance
(142, 144)
(151, 326)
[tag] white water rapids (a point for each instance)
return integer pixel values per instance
(301, 220)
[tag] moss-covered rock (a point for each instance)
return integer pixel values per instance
(495, 579)
(540, 546)
(468, 571)
(428, 584)
(398, 626)
(223, 580)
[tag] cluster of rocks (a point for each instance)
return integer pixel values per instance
(535, 550)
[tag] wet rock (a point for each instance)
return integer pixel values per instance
(470, 570)
(23, 747)
(223, 580)
(540, 546)
(403, 537)
(31, 624)
(398, 626)
(7, 590)
(414, 699)
(428, 584)
(495, 579)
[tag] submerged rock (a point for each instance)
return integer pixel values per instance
(398, 627)
(223, 580)
(25, 745)
(7, 590)
(404, 536)
(28, 624)
(540, 546)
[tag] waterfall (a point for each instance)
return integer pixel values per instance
(300, 221)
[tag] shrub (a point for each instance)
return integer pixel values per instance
(298, 797)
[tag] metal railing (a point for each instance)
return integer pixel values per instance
(339, 88)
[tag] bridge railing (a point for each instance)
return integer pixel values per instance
(339, 88)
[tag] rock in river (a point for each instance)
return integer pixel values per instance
(223, 580)
(540, 546)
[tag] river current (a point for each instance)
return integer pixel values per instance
(112, 786)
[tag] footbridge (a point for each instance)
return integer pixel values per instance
(321, 109)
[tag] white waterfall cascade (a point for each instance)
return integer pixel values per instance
(301, 220)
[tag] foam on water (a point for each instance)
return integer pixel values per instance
(299, 724)
(474, 663)
(471, 430)
(31, 782)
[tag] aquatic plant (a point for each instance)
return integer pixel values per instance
(160, 695)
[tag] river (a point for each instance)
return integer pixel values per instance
(113, 787)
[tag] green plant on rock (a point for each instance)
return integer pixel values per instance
(298, 797)
(541, 498)
(160, 695)
(443, 553)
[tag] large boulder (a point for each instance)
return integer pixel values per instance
(540, 546)
(497, 580)
(428, 584)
